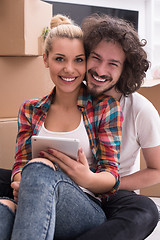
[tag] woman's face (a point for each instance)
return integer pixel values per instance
(66, 63)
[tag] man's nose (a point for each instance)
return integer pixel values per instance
(102, 69)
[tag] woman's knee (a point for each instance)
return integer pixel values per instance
(42, 160)
(9, 203)
(36, 172)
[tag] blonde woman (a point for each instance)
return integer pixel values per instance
(61, 198)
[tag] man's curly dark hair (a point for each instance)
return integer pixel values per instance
(111, 29)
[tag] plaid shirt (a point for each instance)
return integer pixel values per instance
(103, 122)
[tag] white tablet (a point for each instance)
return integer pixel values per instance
(68, 146)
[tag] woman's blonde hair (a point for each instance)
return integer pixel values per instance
(61, 27)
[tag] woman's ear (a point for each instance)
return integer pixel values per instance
(45, 59)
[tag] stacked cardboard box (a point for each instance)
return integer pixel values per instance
(21, 25)
(23, 74)
(152, 94)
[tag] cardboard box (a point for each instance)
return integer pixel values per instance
(21, 78)
(21, 25)
(153, 191)
(8, 133)
(152, 94)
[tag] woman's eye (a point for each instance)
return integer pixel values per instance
(79, 59)
(59, 59)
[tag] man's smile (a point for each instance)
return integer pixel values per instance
(98, 78)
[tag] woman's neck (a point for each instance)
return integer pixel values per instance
(66, 100)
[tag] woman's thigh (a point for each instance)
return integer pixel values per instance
(62, 208)
(76, 212)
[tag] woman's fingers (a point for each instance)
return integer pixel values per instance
(15, 186)
(58, 157)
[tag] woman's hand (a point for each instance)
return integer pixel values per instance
(80, 173)
(78, 170)
(15, 186)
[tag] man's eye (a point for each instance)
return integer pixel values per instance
(95, 57)
(59, 59)
(114, 64)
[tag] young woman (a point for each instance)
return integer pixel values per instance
(59, 197)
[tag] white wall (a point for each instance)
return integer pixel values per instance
(136, 5)
(149, 21)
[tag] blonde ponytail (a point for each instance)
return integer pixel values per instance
(61, 27)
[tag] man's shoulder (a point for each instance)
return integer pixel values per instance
(135, 97)
(137, 105)
(136, 101)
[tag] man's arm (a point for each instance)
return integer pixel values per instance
(146, 177)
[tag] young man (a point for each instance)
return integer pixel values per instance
(116, 66)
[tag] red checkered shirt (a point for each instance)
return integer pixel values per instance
(103, 122)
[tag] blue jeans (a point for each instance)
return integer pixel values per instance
(6, 222)
(51, 206)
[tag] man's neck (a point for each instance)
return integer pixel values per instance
(113, 93)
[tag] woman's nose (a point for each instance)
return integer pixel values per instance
(69, 68)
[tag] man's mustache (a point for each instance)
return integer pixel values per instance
(93, 72)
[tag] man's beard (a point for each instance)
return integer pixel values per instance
(94, 90)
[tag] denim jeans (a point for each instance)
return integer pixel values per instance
(130, 216)
(6, 222)
(51, 206)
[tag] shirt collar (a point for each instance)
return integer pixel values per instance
(83, 98)
(46, 101)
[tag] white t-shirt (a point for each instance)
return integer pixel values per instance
(140, 129)
(79, 133)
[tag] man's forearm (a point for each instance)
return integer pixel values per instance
(141, 179)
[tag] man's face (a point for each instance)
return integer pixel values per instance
(104, 67)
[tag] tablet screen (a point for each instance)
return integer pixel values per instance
(68, 146)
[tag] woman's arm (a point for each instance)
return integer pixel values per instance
(109, 138)
(23, 141)
(80, 173)
(15, 185)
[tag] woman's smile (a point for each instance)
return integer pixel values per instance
(68, 79)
